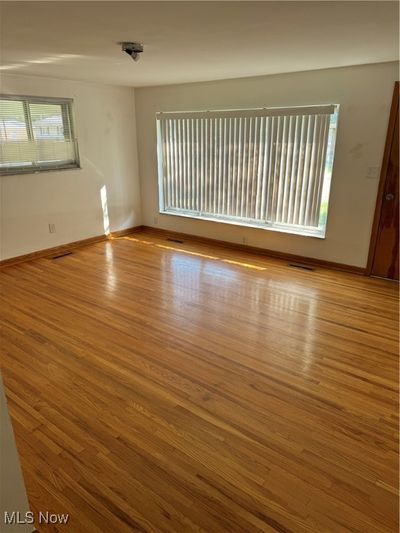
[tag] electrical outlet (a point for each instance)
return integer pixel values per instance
(52, 228)
(156, 219)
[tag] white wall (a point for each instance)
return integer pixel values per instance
(70, 199)
(364, 94)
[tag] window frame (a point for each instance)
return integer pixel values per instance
(44, 167)
(304, 231)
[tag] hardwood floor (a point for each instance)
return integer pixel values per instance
(163, 386)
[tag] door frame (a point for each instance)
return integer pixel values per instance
(382, 180)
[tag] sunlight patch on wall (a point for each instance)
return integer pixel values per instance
(104, 206)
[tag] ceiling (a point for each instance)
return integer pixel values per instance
(192, 41)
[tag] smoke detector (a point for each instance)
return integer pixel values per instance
(132, 49)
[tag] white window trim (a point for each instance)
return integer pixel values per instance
(301, 231)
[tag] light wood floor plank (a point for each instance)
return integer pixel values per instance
(160, 386)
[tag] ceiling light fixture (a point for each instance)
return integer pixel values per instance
(132, 49)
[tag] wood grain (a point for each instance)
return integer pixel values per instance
(383, 256)
(158, 386)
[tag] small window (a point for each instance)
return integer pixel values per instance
(36, 134)
(268, 168)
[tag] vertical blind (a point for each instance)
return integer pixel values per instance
(262, 166)
(36, 134)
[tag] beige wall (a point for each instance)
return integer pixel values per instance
(70, 199)
(364, 94)
(106, 130)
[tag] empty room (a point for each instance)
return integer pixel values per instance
(199, 265)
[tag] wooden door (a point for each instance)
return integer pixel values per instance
(384, 251)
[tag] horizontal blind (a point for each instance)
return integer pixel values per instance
(256, 167)
(35, 134)
(36, 153)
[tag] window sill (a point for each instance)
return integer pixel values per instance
(302, 232)
(38, 170)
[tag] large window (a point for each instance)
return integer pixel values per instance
(36, 134)
(268, 168)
